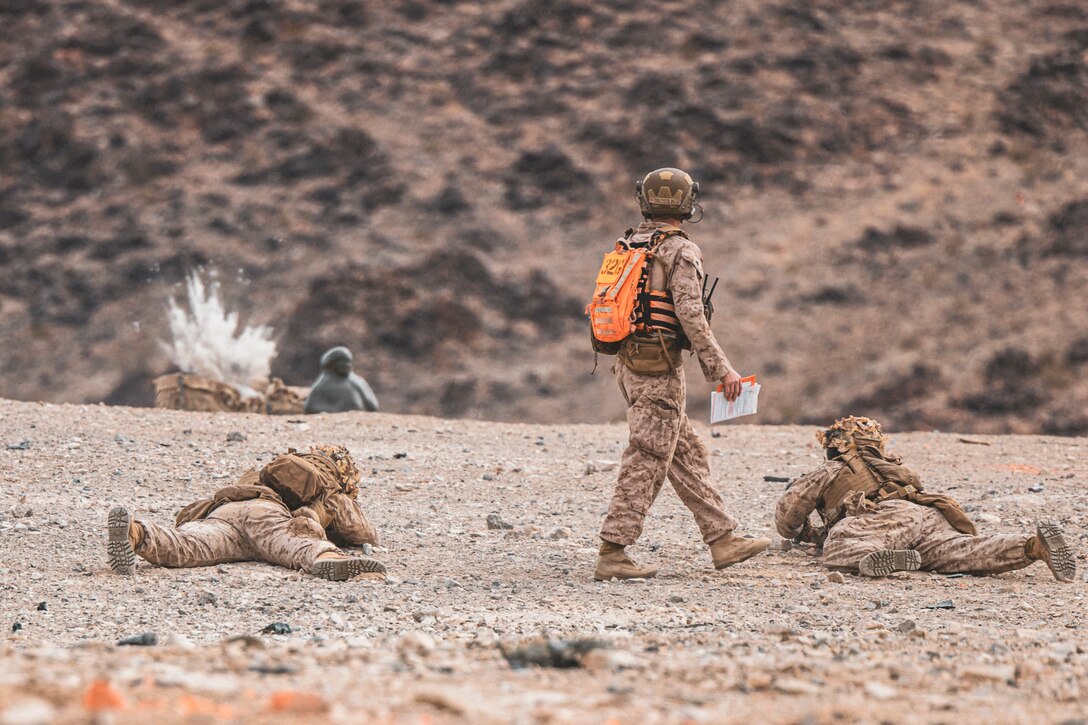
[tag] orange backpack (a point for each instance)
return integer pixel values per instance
(622, 277)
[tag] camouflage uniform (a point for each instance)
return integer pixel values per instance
(877, 517)
(255, 530)
(293, 511)
(662, 441)
(896, 524)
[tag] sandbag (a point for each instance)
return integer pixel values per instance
(185, 391)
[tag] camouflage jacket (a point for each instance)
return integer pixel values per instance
(678, 268)
(801, 499)
(337, 512)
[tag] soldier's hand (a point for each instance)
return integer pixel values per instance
(730, 386)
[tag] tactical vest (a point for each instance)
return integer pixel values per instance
(655, 310)
(877, 478)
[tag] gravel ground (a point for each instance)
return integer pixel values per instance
(771, 640)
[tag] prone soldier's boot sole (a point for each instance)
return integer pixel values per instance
(121, 555)
(339, 570)
(889, 561)
(1059, 556)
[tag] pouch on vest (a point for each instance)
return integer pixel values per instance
(296, 480)
(648, 357)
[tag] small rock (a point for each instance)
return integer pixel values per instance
(561, 532)
(987, 518)
(337, 621)
(42, 606)
(147, 639)
(400, 455)
(23, 445)
(991, 673)
(495, 522)
(16, 626)
(22, 511)
(943, 604)
(368, 549)
(277, 628)
(561, 653)
(880, 691)
(906, 625)
(416, 642)
(836, 577)
(176, 639)
(794, 686)
(207, 597)
(600, 466)
(610, 660)
(676, 599)
(235, 437)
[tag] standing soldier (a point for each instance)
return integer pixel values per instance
(876, 519)
(648, 307)
(292, 513)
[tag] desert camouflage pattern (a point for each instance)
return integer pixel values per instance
(249, 521)
(346, 470)
(256, 530)
(678, 268)
(870, 526)
(852, 432)
(662, 445)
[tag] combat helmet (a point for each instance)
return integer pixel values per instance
(667, 192)
(853, 432)
(337, 463)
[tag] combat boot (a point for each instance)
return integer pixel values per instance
(124, 536)
(1049, 545)
(613, 563)
(888, 561)
(337, 566)
(729, 549)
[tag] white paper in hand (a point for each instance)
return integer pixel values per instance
(746, 403)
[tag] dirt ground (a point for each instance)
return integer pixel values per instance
(771, 640)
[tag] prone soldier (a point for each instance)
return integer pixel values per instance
(293, 513)
(877, 519)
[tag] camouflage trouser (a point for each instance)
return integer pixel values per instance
(254, 530)
(662, 444)
(904, 525)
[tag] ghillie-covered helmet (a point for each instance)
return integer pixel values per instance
(853, 432)
(339, 460)
(667, 192)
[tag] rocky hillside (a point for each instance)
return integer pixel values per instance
(896, 194)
